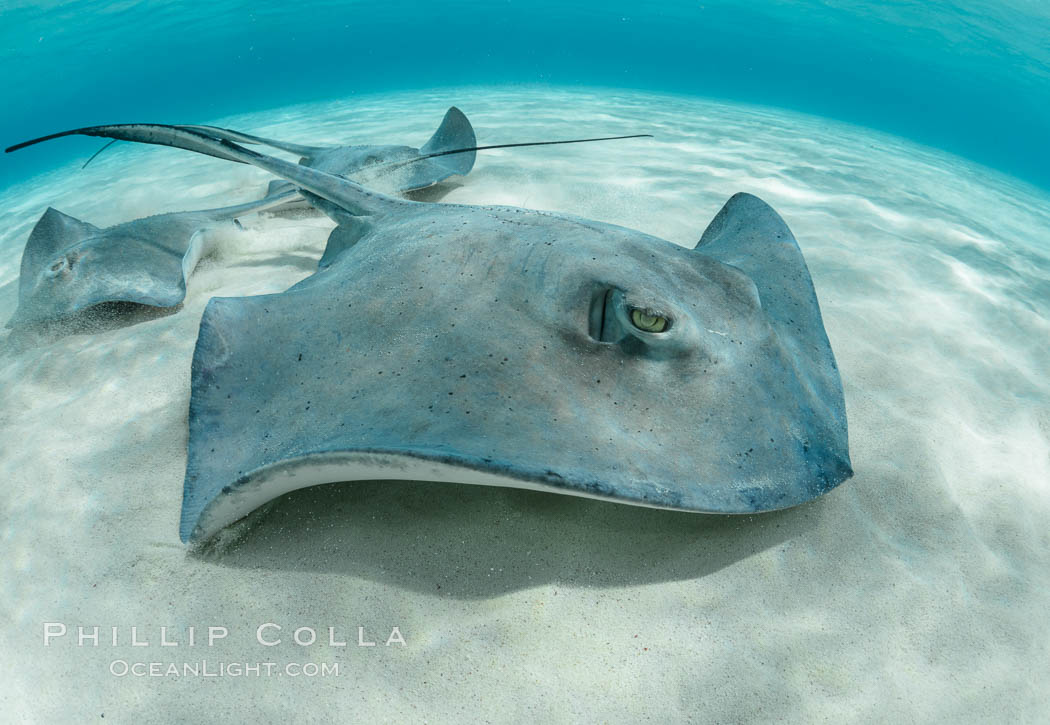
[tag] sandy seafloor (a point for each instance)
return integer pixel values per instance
(916, 592)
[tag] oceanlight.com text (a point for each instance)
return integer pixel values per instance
(204, 668)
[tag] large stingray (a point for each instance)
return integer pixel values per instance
(513, 347)
(70, 266)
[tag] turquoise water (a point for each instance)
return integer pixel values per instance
(904, 145)
(967, 76)
(915, 592)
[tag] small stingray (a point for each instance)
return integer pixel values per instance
(70, 267)
(512, 347)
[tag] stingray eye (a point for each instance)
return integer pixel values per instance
(613, 319)
(648, 322)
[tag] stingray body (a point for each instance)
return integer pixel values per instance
(507, 346)
(386, 167)
(70, 266)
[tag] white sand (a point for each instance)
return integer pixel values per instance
(916, 592)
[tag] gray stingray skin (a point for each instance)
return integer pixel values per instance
(461, 335)
(388, 168)
(498, 341)
(69, 265)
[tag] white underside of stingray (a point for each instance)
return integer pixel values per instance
(267, 484)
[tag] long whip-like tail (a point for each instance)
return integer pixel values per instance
(230, 135)
(332, 187)
(95, 155)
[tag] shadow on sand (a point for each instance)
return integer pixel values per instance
(474, 542)
(103, 317)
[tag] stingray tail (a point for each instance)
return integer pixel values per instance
(351, 196)
(347, 194)
(98, 153)
(270, 201)
(446, 166)
(231, 135)
(238, 137)
(449, 152)
(455, 132)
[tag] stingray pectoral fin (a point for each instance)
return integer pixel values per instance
(231, 135)
(749, 235)
(455, 132)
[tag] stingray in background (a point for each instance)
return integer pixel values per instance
(378, 165)
(513, 347)
(69, 267)
(450, 151)
(374, 165)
